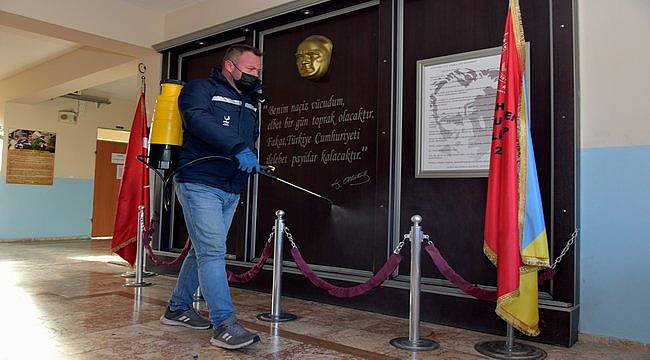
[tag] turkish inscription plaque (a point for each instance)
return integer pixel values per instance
(322, 136)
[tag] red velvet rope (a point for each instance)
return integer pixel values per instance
(456, 279)
(247, 276)
(232, 277)
(157, 261)
(346, 292)
(463, 284)
(546, 275)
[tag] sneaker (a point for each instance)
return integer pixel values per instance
(233, 336)
(188, 318)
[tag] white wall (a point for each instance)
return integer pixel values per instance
(63, 209)
(615, 168)
(75, 144)
(111, 29)
(614, 57)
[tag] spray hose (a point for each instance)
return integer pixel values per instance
(265, 170)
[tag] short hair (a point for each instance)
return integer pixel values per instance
(234, 51)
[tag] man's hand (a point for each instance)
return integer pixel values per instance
(248, 161)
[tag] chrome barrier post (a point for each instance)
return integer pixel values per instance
(137, 303)
(276, 314)
(197, 298)
(509, 349)
(413, 342)
(140, 245)
(131, 274)
(139, 258)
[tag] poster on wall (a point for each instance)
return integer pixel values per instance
(455, 113)
(30, 157)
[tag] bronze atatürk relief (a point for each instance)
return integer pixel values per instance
(313, 57)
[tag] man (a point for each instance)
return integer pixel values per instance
(219, 118)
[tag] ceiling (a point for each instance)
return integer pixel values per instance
(22, 50)
(163, 6)
(123, 89)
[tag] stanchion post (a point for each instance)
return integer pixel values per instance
(276, 314)
(509, 349)
(197, 297)
(140, 252)
(131, 274)
(510, 338)
(413, 342)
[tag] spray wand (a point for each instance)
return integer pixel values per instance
(266, 170)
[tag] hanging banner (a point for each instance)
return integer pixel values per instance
(30, 157)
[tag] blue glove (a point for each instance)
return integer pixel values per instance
(247, 161)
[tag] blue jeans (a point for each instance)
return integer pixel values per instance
(208, 213)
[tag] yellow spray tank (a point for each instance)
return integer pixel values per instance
(166, 135)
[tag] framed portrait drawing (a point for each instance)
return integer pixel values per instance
(455, 113)
(455, 110)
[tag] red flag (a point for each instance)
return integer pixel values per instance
(515, 233)
(502, 212)
(134, 189)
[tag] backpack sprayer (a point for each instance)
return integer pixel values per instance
(166, 139)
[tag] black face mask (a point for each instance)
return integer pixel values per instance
(247, 83)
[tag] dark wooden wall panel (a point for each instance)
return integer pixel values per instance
(342, 235)
(362, 73)
(453, 209)
(565, 150)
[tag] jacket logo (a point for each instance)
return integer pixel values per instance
(226, 120)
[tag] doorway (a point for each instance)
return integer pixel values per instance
(109, 166)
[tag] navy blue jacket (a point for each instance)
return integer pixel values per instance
(217, 120)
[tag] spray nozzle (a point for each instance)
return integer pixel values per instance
(267, 169)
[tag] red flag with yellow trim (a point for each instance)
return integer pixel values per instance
(134, 188)
(515, 234)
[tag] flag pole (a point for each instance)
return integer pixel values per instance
(509, 349)
(142, 69)
(140, 255)
(510, 338)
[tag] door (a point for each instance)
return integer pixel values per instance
(109, 162)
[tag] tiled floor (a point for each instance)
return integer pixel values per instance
(63, 300)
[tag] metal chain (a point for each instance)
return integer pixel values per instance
(270, 239)
(400, 245)
(566, 248)
(396, 251)
(290, 237)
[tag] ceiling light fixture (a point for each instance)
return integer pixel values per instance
(89, 98)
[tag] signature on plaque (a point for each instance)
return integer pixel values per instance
(357, 179)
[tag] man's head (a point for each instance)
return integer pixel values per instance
(242, 67)
(313, 57)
